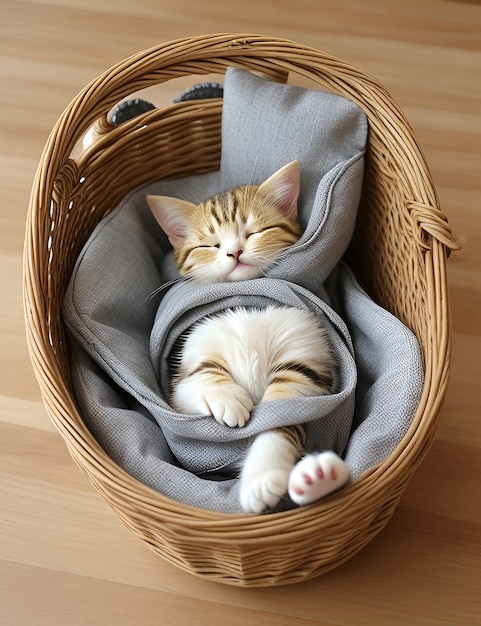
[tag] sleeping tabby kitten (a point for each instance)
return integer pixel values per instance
(234, 360)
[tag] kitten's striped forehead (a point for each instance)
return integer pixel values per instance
(227, 207)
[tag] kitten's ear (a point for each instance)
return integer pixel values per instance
(283, 189)
(172, 215)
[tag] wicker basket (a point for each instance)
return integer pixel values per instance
(398, 253)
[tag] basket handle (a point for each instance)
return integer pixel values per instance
(432, 221)
(265, 55)
(136, 107)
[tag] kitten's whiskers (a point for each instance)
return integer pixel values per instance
(163, 287)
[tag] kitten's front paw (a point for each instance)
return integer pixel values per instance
(316, 476)
(263, 491)
(231, 405)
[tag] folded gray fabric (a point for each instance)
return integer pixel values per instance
(122, 337)
(390, 373)
(199, 442)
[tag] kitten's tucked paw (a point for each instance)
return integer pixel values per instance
(264, 490)
(317, 475)
(231, 405)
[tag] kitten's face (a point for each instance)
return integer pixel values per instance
(235, 235)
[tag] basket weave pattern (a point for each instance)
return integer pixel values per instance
(398, 254)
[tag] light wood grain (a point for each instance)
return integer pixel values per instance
(64, 558)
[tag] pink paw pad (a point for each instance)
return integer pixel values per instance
(316, 476)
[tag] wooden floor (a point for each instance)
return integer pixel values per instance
(64, 558)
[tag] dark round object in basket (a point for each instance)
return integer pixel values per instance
(129, 109)
(200, 91)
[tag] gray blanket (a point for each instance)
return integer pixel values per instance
(122, 337)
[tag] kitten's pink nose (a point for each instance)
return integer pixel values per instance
(236, 255)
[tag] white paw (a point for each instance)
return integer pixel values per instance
(316, 476)
(264, 490)
(230, 405)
